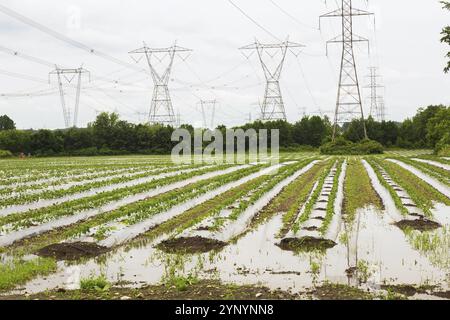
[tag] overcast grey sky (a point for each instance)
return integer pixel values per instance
(404, 45)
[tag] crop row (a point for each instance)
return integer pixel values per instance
(332, 199)
(358, 190)
(437, 173)
(420, 192)
(29, 176)
(137, 211)
(54, 182)
(314, 196)
(58, 193)
(41, 215)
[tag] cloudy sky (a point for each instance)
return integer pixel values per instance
(404, 45)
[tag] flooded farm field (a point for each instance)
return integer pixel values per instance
(307, 227)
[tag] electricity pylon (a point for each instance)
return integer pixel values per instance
(273, 105)
(376, 101)
(349, 103)
(207, 105)
(161, 108)
(69, 75)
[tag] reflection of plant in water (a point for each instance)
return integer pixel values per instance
(120, 274)
(343, 238)
(315, 263)
(434, 244)
(175, 270)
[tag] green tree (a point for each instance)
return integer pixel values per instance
(6, 123)
(311, 131)
(103, 128)
(438, 127)
(446, 36)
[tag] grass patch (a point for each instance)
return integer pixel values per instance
(99, 284)
(181, 283)
(20, 271)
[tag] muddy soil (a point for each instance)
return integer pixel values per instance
(202, 290)
(418, 224)
(72, 251)
(306, 244)
(191, 245)
(340, 292)
(407, 290)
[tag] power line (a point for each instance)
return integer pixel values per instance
(61, 37)
(50, 64)
(253, 20)
(291, 16)
(22, 76)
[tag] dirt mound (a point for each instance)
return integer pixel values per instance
(72, 251)
(191, 245)
(306, 244)
(418, 224)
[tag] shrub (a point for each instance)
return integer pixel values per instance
(86, 152)
(342, 146)
(5, 154)
(443, 146)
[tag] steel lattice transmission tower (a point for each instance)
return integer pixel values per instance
(207, 105)
(69, 75)
(349, 103)
(273, 105)
(376, 100)
(161, 108)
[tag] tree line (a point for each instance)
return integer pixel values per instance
(108, 134)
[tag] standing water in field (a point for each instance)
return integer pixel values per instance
(384, 255)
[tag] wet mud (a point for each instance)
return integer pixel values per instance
(191, 245)
(421, 224)
(72, 251)
(306, 244)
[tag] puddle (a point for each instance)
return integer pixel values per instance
(254, 259)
